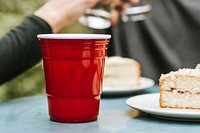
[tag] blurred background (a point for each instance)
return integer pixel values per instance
(12, 12)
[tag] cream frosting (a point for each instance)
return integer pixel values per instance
(183, 71)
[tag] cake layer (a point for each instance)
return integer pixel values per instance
(182, 83)
(179, 100)
(121, 71)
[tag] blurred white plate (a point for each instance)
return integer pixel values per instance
(145, 83)
(149, 103)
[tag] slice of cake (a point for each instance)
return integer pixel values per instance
(121, 72)
(180, 89)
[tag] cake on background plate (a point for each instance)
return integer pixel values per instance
(121, 72)
(180, 89)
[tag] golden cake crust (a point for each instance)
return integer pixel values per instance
(180, 88)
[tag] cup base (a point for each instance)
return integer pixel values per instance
(73, 120)
(73, 109)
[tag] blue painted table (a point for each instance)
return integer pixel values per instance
(29, 115)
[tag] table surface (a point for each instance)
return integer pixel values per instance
(30, 115)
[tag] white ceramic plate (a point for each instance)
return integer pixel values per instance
(149, 103)
(145, 83)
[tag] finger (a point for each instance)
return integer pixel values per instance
(90, 3)
(118, 5)
(130, 1)
(134, 1)
(117, 1)
(106, 1)
(115, 17)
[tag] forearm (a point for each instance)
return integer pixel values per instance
(19, 49)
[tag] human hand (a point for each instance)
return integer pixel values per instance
(58, 13)
(118, 7)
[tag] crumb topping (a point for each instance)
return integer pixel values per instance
(183, 71)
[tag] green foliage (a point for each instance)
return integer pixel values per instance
(29, 83)
(12, 12)
(22, 7)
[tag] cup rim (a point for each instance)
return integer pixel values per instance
(73, 36)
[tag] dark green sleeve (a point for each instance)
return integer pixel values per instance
(19, 48)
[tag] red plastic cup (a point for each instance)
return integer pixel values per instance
(73, 68)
